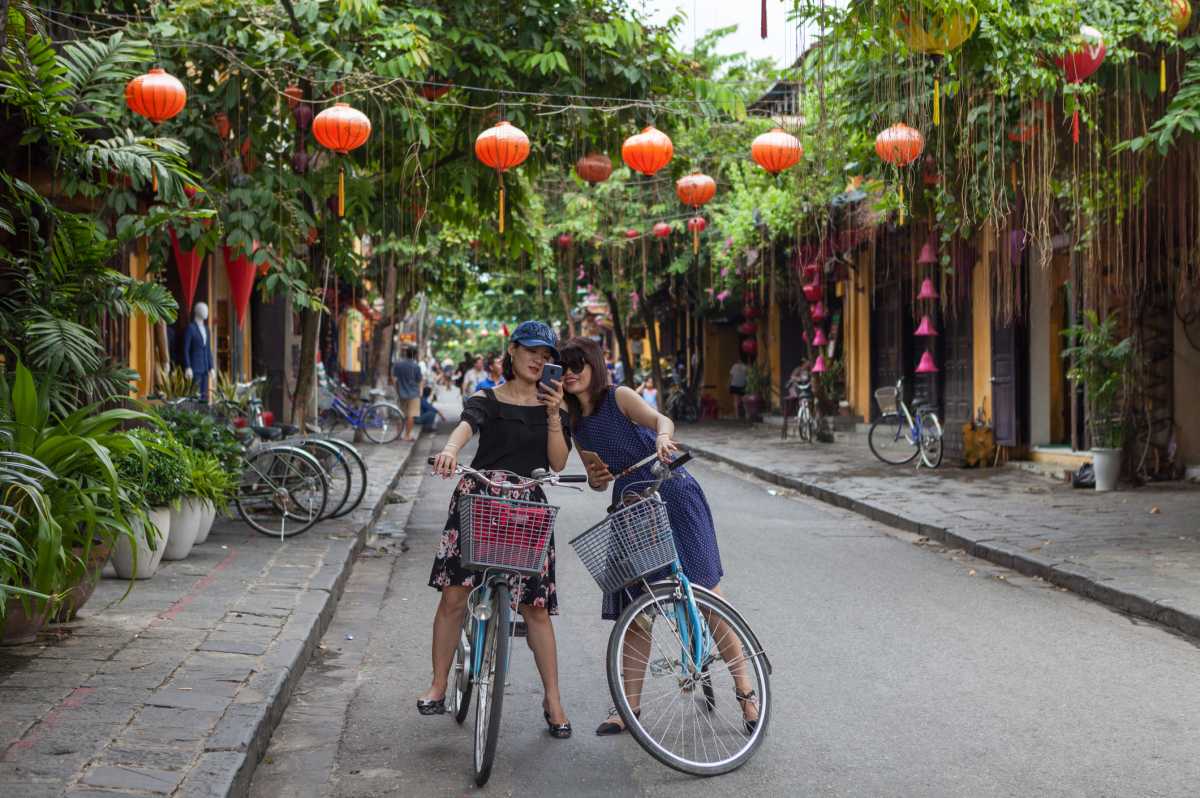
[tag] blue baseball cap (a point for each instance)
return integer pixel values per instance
(533, 334)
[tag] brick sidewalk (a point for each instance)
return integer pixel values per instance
(1135, 549)
(175, 689)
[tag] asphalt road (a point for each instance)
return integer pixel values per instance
(900, 670)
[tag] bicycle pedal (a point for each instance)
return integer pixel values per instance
(519, 629)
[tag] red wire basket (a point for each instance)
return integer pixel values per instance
(509, 534)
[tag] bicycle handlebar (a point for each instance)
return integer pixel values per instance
(549, 478)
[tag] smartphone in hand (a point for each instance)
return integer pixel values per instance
(550, 372)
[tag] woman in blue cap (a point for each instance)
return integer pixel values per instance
(521, 427)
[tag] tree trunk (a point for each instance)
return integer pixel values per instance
(305, 377)
(382, 345)
(622, 341)
(564, 296)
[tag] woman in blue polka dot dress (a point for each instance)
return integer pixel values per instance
(620, 427)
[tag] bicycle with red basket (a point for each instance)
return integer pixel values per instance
(500, 536)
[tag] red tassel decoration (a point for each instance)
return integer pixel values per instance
(1075, 126)
(764, 19)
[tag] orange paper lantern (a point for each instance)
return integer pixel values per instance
(595, 167)
(648, 151)
(696, 224)
(502, 147)
(900, 145)
(776, 150)
(695, 189)
(341, 128)
(156, 95)
(294, 95)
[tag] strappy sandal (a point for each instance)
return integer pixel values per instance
(747, 698)
(432, 707)
(613, 727)
(559, 731)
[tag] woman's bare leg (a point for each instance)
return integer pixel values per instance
(540, 637)
(731, 652)
(446, 623)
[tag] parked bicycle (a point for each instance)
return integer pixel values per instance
(805, 417)
(379, 420)
(687, 674)
(899, 435)
(500, 536)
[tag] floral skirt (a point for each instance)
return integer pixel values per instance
(536, 591)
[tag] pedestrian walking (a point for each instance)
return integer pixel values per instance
(739, 377)
(617, 426)
(473, 377)
(522, 427)
(406, 375)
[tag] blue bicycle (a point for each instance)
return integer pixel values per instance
(899, 434)
(687, 674)
(380, 421)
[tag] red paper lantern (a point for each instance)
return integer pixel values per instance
(502, 147)
(900, 144)
(747, 328)
(187, 262)
(648, 151)
(695, 189)
(595, 167)
(565, 241)
(749, 346)
(661, 230)
(697, 224)
(632, 234)
(812, 291)
(1078, 65)
(776, 151)
(294, 95)
(240, 272)
(751, 311)
(221, 123)
(156, 95)
(435, 88)
(812, 271)
(341, 128)
(1181, 15)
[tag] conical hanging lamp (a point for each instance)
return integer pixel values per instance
(927, 290)
(927, 366)
(925, 329)
(819, 339)
(819, 365)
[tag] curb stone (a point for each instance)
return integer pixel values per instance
(231, 755)
(1074, 577)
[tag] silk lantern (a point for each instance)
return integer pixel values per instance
(935, 35)
(341, 128)
(776, 150)
(595, 167)
(158, 96)
(502, 147)
(661, 230)
(1077, 66)
(695, 190)
(1179, 15)
(900, 145)
(240, 272)
(564, 241)
(187, 262)
(648, 151)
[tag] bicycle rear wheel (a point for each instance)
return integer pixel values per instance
(383, 422)
(890, 442)
(358, 477)
(337, 471)
(803, 428)
(493, 670)
(931, 439)
(282, 491)
(688, 718)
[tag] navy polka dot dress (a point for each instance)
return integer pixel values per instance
(621, 443)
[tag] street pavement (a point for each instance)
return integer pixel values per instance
(1136, 549)
(902, 668)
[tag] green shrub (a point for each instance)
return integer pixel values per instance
(200, 432)
(156, 469)
(210, 480)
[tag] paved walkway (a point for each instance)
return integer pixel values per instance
(1136, 549)
(175, 688)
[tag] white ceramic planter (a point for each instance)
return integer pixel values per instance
(147, 560)
(185, 524)
(1106, 463)
(208, 514)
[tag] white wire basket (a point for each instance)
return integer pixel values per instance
(886, 399)
(495, 532)
(630, 543)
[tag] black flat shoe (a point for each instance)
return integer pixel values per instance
(745, 698)
(612, 727)
(436, 707)
(559, 731)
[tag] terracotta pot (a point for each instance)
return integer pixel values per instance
(147, 559)
(185, 525)
(78, 595)
(21, 627)
(208, 514)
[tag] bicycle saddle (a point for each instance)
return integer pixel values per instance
(268, 433)
(287, 430)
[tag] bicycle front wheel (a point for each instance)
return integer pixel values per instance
(337, 471)
(383, 422)
(931, 440)
(493, 670)
(282, 491)
(702, 718)
(890, 440)
(460, 674)
(803, 424)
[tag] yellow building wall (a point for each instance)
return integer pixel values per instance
(981, 331)
(141, 334)
(857, 331)
(720, 352)
(770, 336)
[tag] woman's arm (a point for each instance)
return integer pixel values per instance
(447, 459)
(646, 416)
(556, 441)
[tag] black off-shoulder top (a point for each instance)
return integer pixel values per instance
(511, 437)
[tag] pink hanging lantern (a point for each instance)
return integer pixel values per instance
(925, 329)
(240, 271)
(928, 256)
(747, 328)
(564, 240)
(927, 366)
(927, 290)
(812, 292)
(749, 346)
(812, 271)
(819, 339)
(187, 261)
(817, 312)
(818, 365)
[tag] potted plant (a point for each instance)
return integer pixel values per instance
(153, 477)
(1099, 361)
(186, 511)
(758, 391)
(211, 488)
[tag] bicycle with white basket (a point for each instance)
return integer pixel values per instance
(500, 536)
(687, 674)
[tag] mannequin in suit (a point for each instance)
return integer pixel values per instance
(197, 350)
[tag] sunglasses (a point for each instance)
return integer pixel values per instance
(575, 365)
